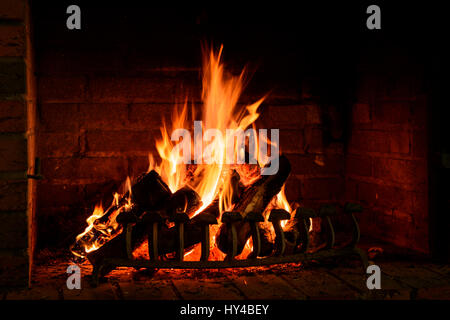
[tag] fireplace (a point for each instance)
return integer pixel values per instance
(359, 120)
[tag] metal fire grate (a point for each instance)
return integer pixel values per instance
(299, 253)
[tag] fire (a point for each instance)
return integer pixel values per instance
(220, 111)
(102, 225)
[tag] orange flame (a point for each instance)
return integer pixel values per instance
(211, 179)
(220, 95)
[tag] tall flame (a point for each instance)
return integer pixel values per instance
(210, 179)
(220, 96)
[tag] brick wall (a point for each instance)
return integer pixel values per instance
(103, 90)
(386, 166)
(17, 147)
(95, 130)
(102, 96)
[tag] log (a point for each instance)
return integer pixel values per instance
(168, 237)
(183, 200)
(167, 240)
(255, 198)
(148, 193)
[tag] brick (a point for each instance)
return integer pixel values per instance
(420, 205)
(419, 143)
(137, 165)
(291, 141)
(12, 116)
(392, 113)
(439, 293)
(13, 152)
(399, 86)
(359, 165)
(399, 142)
(62, 89)
(153, 90)
(55, 195)
(334, 148)
(411, 172)
(57, 117)
(314, 140)
(367, 88)
(150, 116)
(54, 62)
(258, 88)
(12, 9)
(261, 287)
(58, 225)
(367, 192)
(14, 230)
(12, 40)
(284, 117)
(13, 195)
(361, 113)
(109, 116)
(318, 284)
(14, 268)
(12, 76)
(58, 144)
(351, 190)
(293, 189)
(313, 114)
(384, 196)
(313, 165)
(403, 217)
(120, 141)
(322, 188)
(195, 289)
(420, 241)
(369, 141)
(110, 168)
(94, 193)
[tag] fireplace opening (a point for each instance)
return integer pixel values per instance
(354, 113)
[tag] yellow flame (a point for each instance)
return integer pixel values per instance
(220, 95)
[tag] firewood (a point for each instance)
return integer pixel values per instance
(255, 198)
(183, 200)
(148, 193)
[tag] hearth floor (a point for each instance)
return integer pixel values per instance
(344, 279)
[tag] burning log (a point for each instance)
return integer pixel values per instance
(148, 193)
(193, 233)
(167, 238)
(183, 200)
(254, 199)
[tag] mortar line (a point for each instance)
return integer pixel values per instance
(436, 272)
(348, 284)
(236, 287)
(282, 276)
(175, 290)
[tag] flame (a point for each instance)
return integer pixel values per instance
(102, 224)
(220, 95)
(211, 178)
